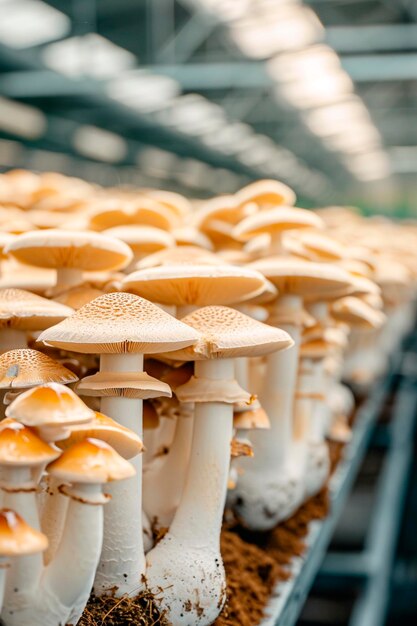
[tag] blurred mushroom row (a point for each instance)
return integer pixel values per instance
(164, 362)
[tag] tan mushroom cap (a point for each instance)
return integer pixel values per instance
(240, 447)
(225, 208)
(178, 256)
(5, 240)
(144, 211)
(175, 202)
(77, 296)
(122, 439)
(316, 350)
(50, 404)
(251, 418)
(227, 333)
(305, 278)
(276, 220)
(315, 246)
(125, 384)
(23, 310)
(85, 251)
(150, 416)
(19, 446)
(90, 461)
(196, 284)
(18, 538)
(356, 312)
(120, 323)
(266, 193)
(28, 368)
(190, 236)
(142, 240)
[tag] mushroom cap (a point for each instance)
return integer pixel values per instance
(317, 349)
(250, 418)
(118, 323)
(90, 461)
(190, 236)
(126, 384)
(5, 240)
(299, 277)
(150, 416)
(314, 245)
(266, 193)
(77, 296)
(228, 333)
(180, 255)
(18, 538)
(85, 251)
(175, 202)
(356, 312)
(122, 439)
(276, 220)
(142, 210)
(50, 404)
(19, 445)
(26, 311)
(142, 240)
(28, 368)
(225, 208)
(195, 284)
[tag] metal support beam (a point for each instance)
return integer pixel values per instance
(372, 38)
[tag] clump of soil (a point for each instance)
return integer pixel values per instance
(112, 611)
(251, 575)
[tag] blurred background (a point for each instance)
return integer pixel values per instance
(205, 95)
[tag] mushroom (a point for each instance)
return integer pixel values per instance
(121, 327)
(17, 539)
(270, 486)
(51, 409)
(142, 240)
(22, 311)
(185, 569)
(266, 194)
(59, 593)
(70, 253)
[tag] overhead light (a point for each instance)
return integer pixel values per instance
(312, 61)
(10, 152)
(193, 114)
(156, 162)
(283, 27)
(226, 10)
(90, 55)
(22, 120)
(26, 23)
(99, 144)
(142, 90)
(370, 166)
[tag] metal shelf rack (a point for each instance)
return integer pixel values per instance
(375, 566)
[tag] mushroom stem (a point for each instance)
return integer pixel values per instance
(4, 566)
(122, 562)
(275, 244)
(67, 277)
(164, 481)
(12, 339)
(187, 562)
(20, 496)
(70, 575)
(53, 517)
(266, 490)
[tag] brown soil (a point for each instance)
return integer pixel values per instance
(111, 611)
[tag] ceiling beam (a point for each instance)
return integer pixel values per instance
(384, 37)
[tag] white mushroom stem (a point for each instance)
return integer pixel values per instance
(164, 479)
(318, 425)
(4, 566)
(266, 490)
(53, 517)
(187, 563)
(122, 562)
(11, 339)
(70, 575)
(67, 277)
(275, 244)
(20, 496)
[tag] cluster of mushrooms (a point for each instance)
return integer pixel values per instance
(163, 360)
